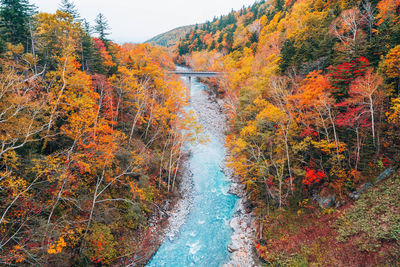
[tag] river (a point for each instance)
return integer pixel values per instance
(204, 235)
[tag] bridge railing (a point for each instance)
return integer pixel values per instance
(197, 73)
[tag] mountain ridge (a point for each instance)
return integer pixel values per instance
(171, 37)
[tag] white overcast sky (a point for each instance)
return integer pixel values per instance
(139, 20)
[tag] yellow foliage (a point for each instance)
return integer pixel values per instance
(387, 10)
(239, 165)
(16, 49)
(240, 145)
(392, 63)
(329, 147)
(136, 191)
(394, 114)
(249, 130)
(10, 159)
(272, 113)
(58, 33)
(302, 21)
(57, 246)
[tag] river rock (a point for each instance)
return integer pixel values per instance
(241, 246)
(233, 247)
(385, 174)
(237, 189)
(365, 187)
(179, 213)
(326, 202)
(354, 195)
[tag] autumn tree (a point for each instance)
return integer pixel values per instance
(348, 29)
(365, 91)
(23, 102)
(91, 135)
(56, 38)
(392, 65)
(387, 10)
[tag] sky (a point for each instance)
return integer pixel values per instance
(139, 20)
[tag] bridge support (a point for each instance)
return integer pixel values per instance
(201, 74)
(190, 87)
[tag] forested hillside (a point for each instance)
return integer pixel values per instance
(90, 139)
(312, 91)
(172, 37)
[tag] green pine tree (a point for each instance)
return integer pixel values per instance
(87, 57)
(69, 7)
(102, 28)
(14, 21)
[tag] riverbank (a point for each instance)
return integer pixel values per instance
(166, 222)
(243, 224)
(199, 228)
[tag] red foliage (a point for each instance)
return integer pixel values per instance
(343, 74)
(99, 44)
(313, 176)
(319, 233)
(107, 102)
(309, 132)
(270, 181)
(353, 116)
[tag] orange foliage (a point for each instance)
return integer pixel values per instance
(388, 9)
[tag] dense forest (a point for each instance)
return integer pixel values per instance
(92, 133)
(90, 138)
(312, 92)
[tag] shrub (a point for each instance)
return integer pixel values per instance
(375, 217)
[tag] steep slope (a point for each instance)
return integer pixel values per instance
(312, 91)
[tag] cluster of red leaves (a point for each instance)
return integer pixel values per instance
(353, 116)
(270, 181)
(102, 49)
(346, 72)
(309, 132)
(98, 246)
(95, 260)
(313, 177)
(99, 44)
(386, 162)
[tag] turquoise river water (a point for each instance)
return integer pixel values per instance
(205, 235)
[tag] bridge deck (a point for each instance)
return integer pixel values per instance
(196, 73)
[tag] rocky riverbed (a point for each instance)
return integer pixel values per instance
(211, 114)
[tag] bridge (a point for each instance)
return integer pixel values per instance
(199, 74)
